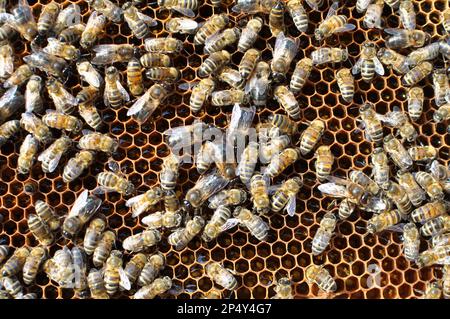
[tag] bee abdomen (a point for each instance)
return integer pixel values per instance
(279, 201)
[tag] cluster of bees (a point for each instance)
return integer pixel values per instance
(60, 42)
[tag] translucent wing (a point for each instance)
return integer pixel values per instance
(184, 11)
(357, 67)
(279, 43)
(151, 219)
(8, 96)
(313, 4)
(6, 17)
(53, 163)
(101, 190)
(134, 200)
(122, 90)
(52, 44)
(393, 31)
(187, 24)
(230, 223)
(105, 93)
(92, 77)
(378, 66)
(79, 203)
(139, 104)
(212, 40)
(92, 20)
(333, 189)
(291, 205)
(124, 280)
(347, 27)
(74, 16)
(104, 54)
(7, 65)
(149, 21)
(235, 116)
(186, 86)
(332, 11)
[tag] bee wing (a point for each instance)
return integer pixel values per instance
(332, 11)
(347, 27)
(53, 163)
(188, 24)
(105, 93)
(7, 65)
(80, 202)
(101, 190)
(333, 189)
(273, 188)
(6, 17)
(149, 21)
(393, 31)
(52, 43)
(211, 40)
(291, 205)
(92, 20)
(434, 169)
(124, 280)
(357, 67)
(278, 45)
(139, 104)
(184, 11)
(150, 219)
(230, 223)
(377, 204)
(104, 54)
(92, 77)
(122, 90)
(8, 96)
(378, 66)
(235, 116)
(130, 202)
(313, 4)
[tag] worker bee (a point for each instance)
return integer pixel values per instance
(232, 77)
(171, 201)
(62, 121)
(68, 16)
(281, 161)
(371, 123)
(249, 34)
(112, 53)
(60, 268)
(15, 263)
(283, 289)
(157, 287)
(80, 277)
(138, 22)
(72, 34)
(151, 269)
(31, 123)
(163, 220)
(418, 73)
(61, 49)
(248, 62)
(182, 26)
(329, 55)
(141, 203)
(134, 267)
(32, 264)
(114, 181)
(97, 285)
(6, 61)
(411, 242)
(368, 63)
(427, 53)
(95, 26)
(323, 235)
(33, 99)
(12, 286)
(324, 162)
(27, 154)
(103, 248)
(397, 152)
(181, 237)
(205, 156)
(276, 145)
(169, 74)
(422, 153)
(283, 123)
(63, 100)
(115, 94)
(220, 40)
(332, 24)
(440, 86)
(213, 63)
(437, 255)
(402, 39)
(47, 215)
(384, 220)
(114, 275)
(22, 19)
(169, 172)
(285, 196)
(346, 208)
(346, 84)
(90, 114)
(359, 177)
(439, 171)
(286, 49)
(311, 136)
(163, 45)
(430, 185)
(200, 93)
(143, 240)
(45, 62)
(259, 192)
(445, 16)
(276, 18)
(89, 74)
(76, 165)
(107, 8)
(399, 196)
(301, 74)
(154, 59)
(407, 14)
(258, 84)
(11, 102)
(185, 7)
(87, 94)
(380, 167)
(288, 101)
(19, 76)
(40, 230)
(214, 226)
(372, 18)
(428, 211)
(8, 130)
(394, 60)
(321, 277)
(221, 275)
(247, 162)
(435, 226)
(81, 212)
(415, 194)
(228, 197)
(342, 188)
(145, 105)
(93, 234)
(52, 155)
(415, 102)
(48, 17)
(253, 6)
(298, 14)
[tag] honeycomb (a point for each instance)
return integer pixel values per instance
(353, 255)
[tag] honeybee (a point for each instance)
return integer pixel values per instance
(259, 192)
(143, 240)
(415, 194)
(185, 7)
(394, 60)
(248, 62)
(415, 102)
(115, 94)
(247, 162)
(87, 94)
(48, 17)
(52, 155)
(440, 86)
(19, 76)
(371, 123)
(112, 53)
(79, 264)
(442, 113)
(40, 230)
(285, 196)
(45, 62)
(169, 172)
(249, 34)
(114, 181)
(228, 197)
(157, 287)
(72, 34)
(176, 136)
(276, 18)
(141, 203)
(428, 211)
(383, 221)
(61, 49)
(205, 156)
(62, 121)
(134, 267)
(430, 185)
(32, 264)
(221, 275)
(107, 8)
(324, 162)
(411, 242)
(182, 26)
(27, 154)
(258, 84)
(213, 63)
(169, 74)
(33, 99)
(346, 84)
(332, 24)
(288, 101)
(232, 77)
(15, 263)
(397, 152)
(8, 130)
(163, 220)
(283, 123)
(418, 73)
(47, 215)
(253, 6)
(95, 26)
(321, 277)
(220, 40)
(76, 165)
(90, 114)
(138, 22)
(439, 171)
(323, 235)
(67, 17)
(283, 289)
(298, 14)
(31, 123)
(281, 161)
(89, 74)
(254, 223)
(200, 93)
(7, 32)
(342, 188)
(145, 105)
(359, 177)
(399, 196)
(311, 136)
(6, 61)
(401, 38)
(4, 251)
(380, 164)
(372, 18)
(437, 255)
(427, 53)
(329, 55)
(422, 153)
(206, 186)
(181, 237)
(151, 269)
(435, 226)
(286, 49)
(171, 202)
(22, 19)
(81, 212)
(154, 59)
(63, 100)
(368, 63)
(214, 226)
(93, 234)
(433, 290)
(163, 45)
(12, 286)
(60, 268)
(301, 74)
(97, 285)
(114, 275)
(104, 247)
(407, 14)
